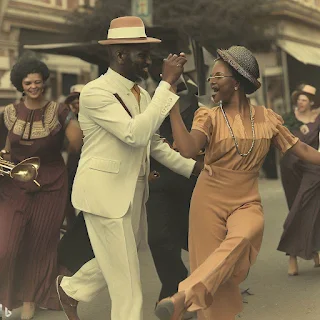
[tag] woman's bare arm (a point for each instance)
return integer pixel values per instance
(306, 153)
(188, 143)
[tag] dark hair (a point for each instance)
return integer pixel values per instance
(247, 86)
(27, 66)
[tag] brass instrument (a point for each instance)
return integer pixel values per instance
(24, 171)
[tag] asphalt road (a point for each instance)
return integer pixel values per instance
(276, 296)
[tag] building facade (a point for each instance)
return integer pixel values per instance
(39, 21)
(294, 56)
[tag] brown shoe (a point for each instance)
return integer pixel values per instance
(68, 304)
(172, 308)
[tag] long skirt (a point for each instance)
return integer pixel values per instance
(301, 183)
(29, 235)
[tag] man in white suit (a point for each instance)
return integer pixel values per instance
(119, 121)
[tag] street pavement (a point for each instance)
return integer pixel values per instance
(273, 294)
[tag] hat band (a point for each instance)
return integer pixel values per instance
(127, 33)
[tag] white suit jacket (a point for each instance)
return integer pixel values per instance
(115, 144)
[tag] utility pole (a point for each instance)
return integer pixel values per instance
(200, 67)
(3, 7)
(144, 10)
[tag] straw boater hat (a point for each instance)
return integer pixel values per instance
(74, 93)
(127, 30)
(243, 61)
(306, 89)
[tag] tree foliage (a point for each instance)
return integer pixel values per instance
(212, 23)
(216, 23)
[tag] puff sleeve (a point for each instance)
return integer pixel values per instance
(202, 122)
(283, 139)
(10, 116)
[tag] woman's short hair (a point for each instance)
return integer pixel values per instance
(248, 87)
(27, 66)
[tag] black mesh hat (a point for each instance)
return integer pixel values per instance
(243, 61)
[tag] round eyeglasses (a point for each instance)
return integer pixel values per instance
(218, 77)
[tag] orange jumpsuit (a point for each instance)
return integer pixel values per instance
(226, 216)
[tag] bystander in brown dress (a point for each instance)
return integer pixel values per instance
(301, 183)
(31, 216)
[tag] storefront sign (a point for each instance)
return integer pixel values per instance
(143, 9)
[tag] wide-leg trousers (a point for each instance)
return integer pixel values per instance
(116, 264)
(226, 228)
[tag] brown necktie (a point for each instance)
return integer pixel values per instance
(136, 92)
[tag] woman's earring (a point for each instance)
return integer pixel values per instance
(235, 88)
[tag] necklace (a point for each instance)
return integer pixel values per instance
(233, 136)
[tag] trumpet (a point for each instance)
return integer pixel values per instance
(24, 171)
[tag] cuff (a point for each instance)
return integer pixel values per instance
(190, 167)
(165, 85)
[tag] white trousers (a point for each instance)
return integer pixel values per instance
(116, 264)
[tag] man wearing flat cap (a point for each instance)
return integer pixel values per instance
(119, 121)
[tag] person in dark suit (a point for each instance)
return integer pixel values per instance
(170, 194)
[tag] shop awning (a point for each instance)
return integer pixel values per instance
(91, 52)
(302, 52)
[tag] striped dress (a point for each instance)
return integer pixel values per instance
(31, 216)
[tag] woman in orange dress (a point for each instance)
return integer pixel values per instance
(226, 216)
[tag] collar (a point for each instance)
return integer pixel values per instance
(128, 84)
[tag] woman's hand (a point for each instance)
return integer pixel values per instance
(6, 156)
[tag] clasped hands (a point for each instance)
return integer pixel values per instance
(172, 69)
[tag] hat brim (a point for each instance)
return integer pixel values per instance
(230, 60)
(129, 41)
